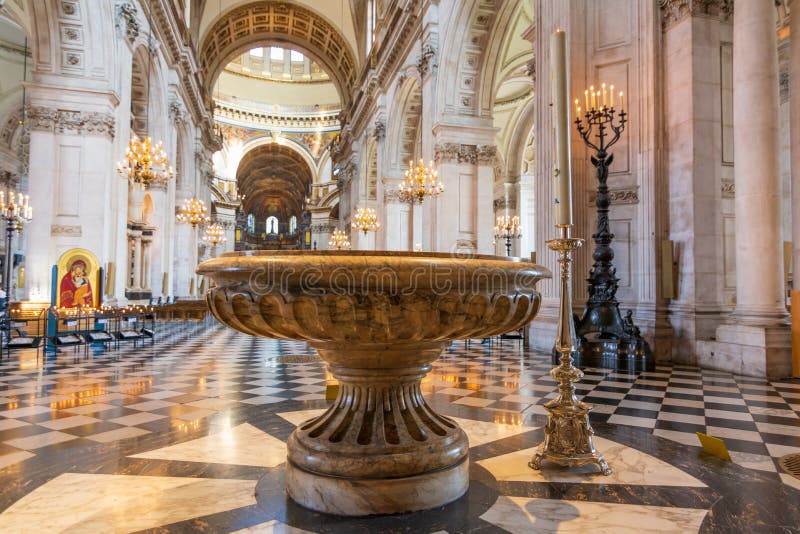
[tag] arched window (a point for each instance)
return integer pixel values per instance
(292, 224)
(272, 225)
(251, 224)
(372, 23)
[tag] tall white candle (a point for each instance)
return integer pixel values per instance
(563, 176)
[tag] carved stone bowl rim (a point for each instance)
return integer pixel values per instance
(377, 253)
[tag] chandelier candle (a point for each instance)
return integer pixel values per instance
(563, 176)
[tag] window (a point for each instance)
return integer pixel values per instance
(272, 225)
(295, 56)
(292, 224)
(257, 52)
(251, 224)
(372, 23)
(275, 54)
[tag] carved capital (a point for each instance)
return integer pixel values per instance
(455, 153)
(674, 11)
(486, 154)
(126, 22)
(425, 61)
(379, 130)
(176, 111)
(322, 228)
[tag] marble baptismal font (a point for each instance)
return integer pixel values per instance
(378, 319)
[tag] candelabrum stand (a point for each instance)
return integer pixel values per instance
(604, 338)
(568, 435)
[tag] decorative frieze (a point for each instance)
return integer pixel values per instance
(618, 196)
(176, 112)
(68, 121)
(425, 61)
(322, 228)
(728, 189)
(379, 130)
(65, 230)
(486, 154)
(674, 11)
(472, 154)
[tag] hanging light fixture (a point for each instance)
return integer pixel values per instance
(145, 162)
(420, 183)
(193, 212)
(215, 235)
(339, 240)
(366, 220)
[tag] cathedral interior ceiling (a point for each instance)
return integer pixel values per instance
(272, 173)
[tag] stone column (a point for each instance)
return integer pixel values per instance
(759, 254)
(137, 262)
(145, 264)
(757, 341)
(794, 107)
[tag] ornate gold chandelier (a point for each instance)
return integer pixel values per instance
(215, 235)
(145, 163)
(366, 220)
(339, 240)
(420, 182)
(193, 212)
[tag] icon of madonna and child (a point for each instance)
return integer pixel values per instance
(76, 289)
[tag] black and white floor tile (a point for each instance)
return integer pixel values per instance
(188, 433)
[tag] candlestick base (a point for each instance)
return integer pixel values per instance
(568, 434)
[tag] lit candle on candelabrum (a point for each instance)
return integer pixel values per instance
(563, 175)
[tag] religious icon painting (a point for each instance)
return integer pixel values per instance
(78, 279)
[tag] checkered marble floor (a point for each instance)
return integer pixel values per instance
(758, 419)
(93, 411)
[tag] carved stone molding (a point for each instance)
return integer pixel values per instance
(728, 189)
(322, 228)
(126, 21)
(455, 153)
(618, 196)
(68, 121)
(425, 61)
(379, 130)
(530, 69)
(674, 11)
(501, 204)
(486, 154)
(176, 112)
(472, 154)
(65, 230)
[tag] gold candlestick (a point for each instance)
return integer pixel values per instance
(568, 435)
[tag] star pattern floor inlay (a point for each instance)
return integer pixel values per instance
(188, 434)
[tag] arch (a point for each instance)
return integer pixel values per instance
(406, 126)
(272, 225)
(276, 22)
(267, 139)
(471, 42)
(274, 180)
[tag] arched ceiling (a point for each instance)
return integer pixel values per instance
(286, 24)
(275, 180)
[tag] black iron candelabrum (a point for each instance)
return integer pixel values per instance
(604, 337)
